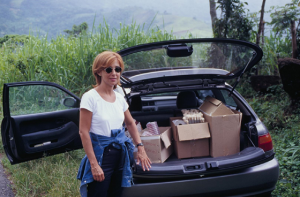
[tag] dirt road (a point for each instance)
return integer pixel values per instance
(5, 186)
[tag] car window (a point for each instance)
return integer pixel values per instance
(228, 99)
(204, 93)
(37, 99)
(226, 58)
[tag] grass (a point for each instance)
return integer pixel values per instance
(283, 123)
(49, 176)
(287, 148)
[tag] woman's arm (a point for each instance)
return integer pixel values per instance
(84, 129)
(131, 126)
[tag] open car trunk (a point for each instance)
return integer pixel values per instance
(160, 107)
(158, 72)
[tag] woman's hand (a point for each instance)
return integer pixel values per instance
(141, 155)
(143, 158)
(98, 173)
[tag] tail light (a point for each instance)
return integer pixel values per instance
(265, 142)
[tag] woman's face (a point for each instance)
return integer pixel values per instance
(111, 75)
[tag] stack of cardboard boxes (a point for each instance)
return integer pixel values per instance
(218, 136)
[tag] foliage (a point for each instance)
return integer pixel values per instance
(287, 16)
(274, 47)
(298, 43)
(233, 22)
(49, 176)
(283, 15)
(284, 127)
(76, 30)
(272, 107)
(287, 148)
(13, 40)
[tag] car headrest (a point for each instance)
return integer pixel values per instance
(186, 100)
(136, 104)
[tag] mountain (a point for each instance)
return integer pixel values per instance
(52, 17)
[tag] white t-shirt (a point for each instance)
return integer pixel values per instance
(106, 115)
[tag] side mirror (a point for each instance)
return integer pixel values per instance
(70, 102)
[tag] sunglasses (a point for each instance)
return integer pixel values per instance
(109, 69)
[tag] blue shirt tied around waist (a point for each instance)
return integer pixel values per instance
(120, 141)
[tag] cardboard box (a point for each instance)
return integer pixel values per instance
(224, 125)
(158, 147)
(190, 140)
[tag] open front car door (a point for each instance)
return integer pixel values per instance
(40, 119)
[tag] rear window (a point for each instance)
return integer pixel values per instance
(228, 99)
(229, 57)
(204, 93)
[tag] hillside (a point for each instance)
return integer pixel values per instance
(52, 17)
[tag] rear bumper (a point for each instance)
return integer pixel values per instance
(255, 180)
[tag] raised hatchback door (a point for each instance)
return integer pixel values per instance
(201, 61)
(40, 118)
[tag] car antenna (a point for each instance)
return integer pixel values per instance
(239, 77)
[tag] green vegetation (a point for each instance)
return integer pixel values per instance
(284, 127)
(13, 40)
(67, 61)
(50, 176)
(76, 30)
(233, 22)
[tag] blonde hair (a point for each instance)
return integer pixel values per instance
(104, 60)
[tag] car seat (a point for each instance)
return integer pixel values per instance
(186, 100)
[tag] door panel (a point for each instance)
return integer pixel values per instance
(37, 122)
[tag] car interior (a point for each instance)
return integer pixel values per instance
(161, 106)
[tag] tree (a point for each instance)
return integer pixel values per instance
(285, 17)
(76, 30)
(213, 13)
(261, 22)
(233, 22)
(298, 40)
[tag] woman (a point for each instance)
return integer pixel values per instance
(106, 167)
